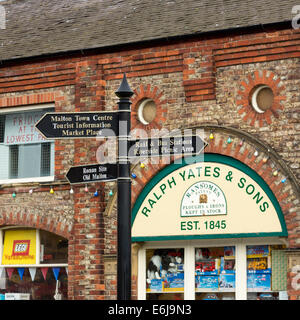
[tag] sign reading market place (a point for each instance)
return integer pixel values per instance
(54, 125)
(215, 198)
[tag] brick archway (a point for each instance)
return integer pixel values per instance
(30, 220)
(248, 150)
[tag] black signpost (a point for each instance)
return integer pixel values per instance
(93, 124)
(124, 194)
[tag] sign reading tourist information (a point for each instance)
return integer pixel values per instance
(92, 173)
(163, 146)
(71, 125)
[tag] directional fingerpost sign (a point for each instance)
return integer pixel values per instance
(166, 146)
(93, 173)
(71, 125)
(54, 125)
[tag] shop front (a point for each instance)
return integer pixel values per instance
(209, 228)
(33, 264)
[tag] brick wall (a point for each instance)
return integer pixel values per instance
(195, 83)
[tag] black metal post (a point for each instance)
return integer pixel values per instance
(124, 194)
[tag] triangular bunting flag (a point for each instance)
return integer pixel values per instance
(10, 272)
(44, 272)
(56, 272)
(2, 274)
(32, 272)
(21, 272)
(67, 270)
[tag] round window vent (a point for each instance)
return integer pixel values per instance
(147, 111)
(262, 98)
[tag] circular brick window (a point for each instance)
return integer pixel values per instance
(262, 98)
(147, 111)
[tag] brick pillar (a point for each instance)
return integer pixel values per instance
(86, 245)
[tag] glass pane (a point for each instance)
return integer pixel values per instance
(266, 272)
(29, 160)
(2, 127)
(45, 159)
(4, 164)
(14, 161)
(54, 249)
(215, 273)
(165, 274)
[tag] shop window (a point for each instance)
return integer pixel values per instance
(233, 270)
(25, 154)
(165, 274)
(266, 272)
(215, 273)
(53, 249)
(33, 265)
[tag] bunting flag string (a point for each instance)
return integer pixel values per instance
(44, 272)
(2, 273)
(32, 272)
(10, 272)
(21, 272)
(56, 272)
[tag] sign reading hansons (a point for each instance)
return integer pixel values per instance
(203, 198)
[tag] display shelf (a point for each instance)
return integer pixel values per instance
(164, 292)
(197, 290)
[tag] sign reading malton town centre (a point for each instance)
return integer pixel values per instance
(54, 125)
(217, 197)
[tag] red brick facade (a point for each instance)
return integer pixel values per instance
(198, 83)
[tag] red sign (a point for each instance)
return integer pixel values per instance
(21, 248)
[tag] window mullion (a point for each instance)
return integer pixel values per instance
(241, 272)
(189, 273)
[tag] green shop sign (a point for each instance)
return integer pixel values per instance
(217, 197)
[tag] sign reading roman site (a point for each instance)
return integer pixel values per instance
(215, 197)
(92, 173)
(54, 125)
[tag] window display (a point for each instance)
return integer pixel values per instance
(33, 265)
(264, 270)
(165, 273)
(215, 273)
(237, 270)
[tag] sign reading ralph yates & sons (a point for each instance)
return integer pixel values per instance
(203, 198)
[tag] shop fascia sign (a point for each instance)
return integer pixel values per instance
(215, 197)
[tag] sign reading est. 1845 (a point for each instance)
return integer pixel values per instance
(217, 197)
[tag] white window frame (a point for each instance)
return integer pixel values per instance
(189, 255)
(20, 109)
